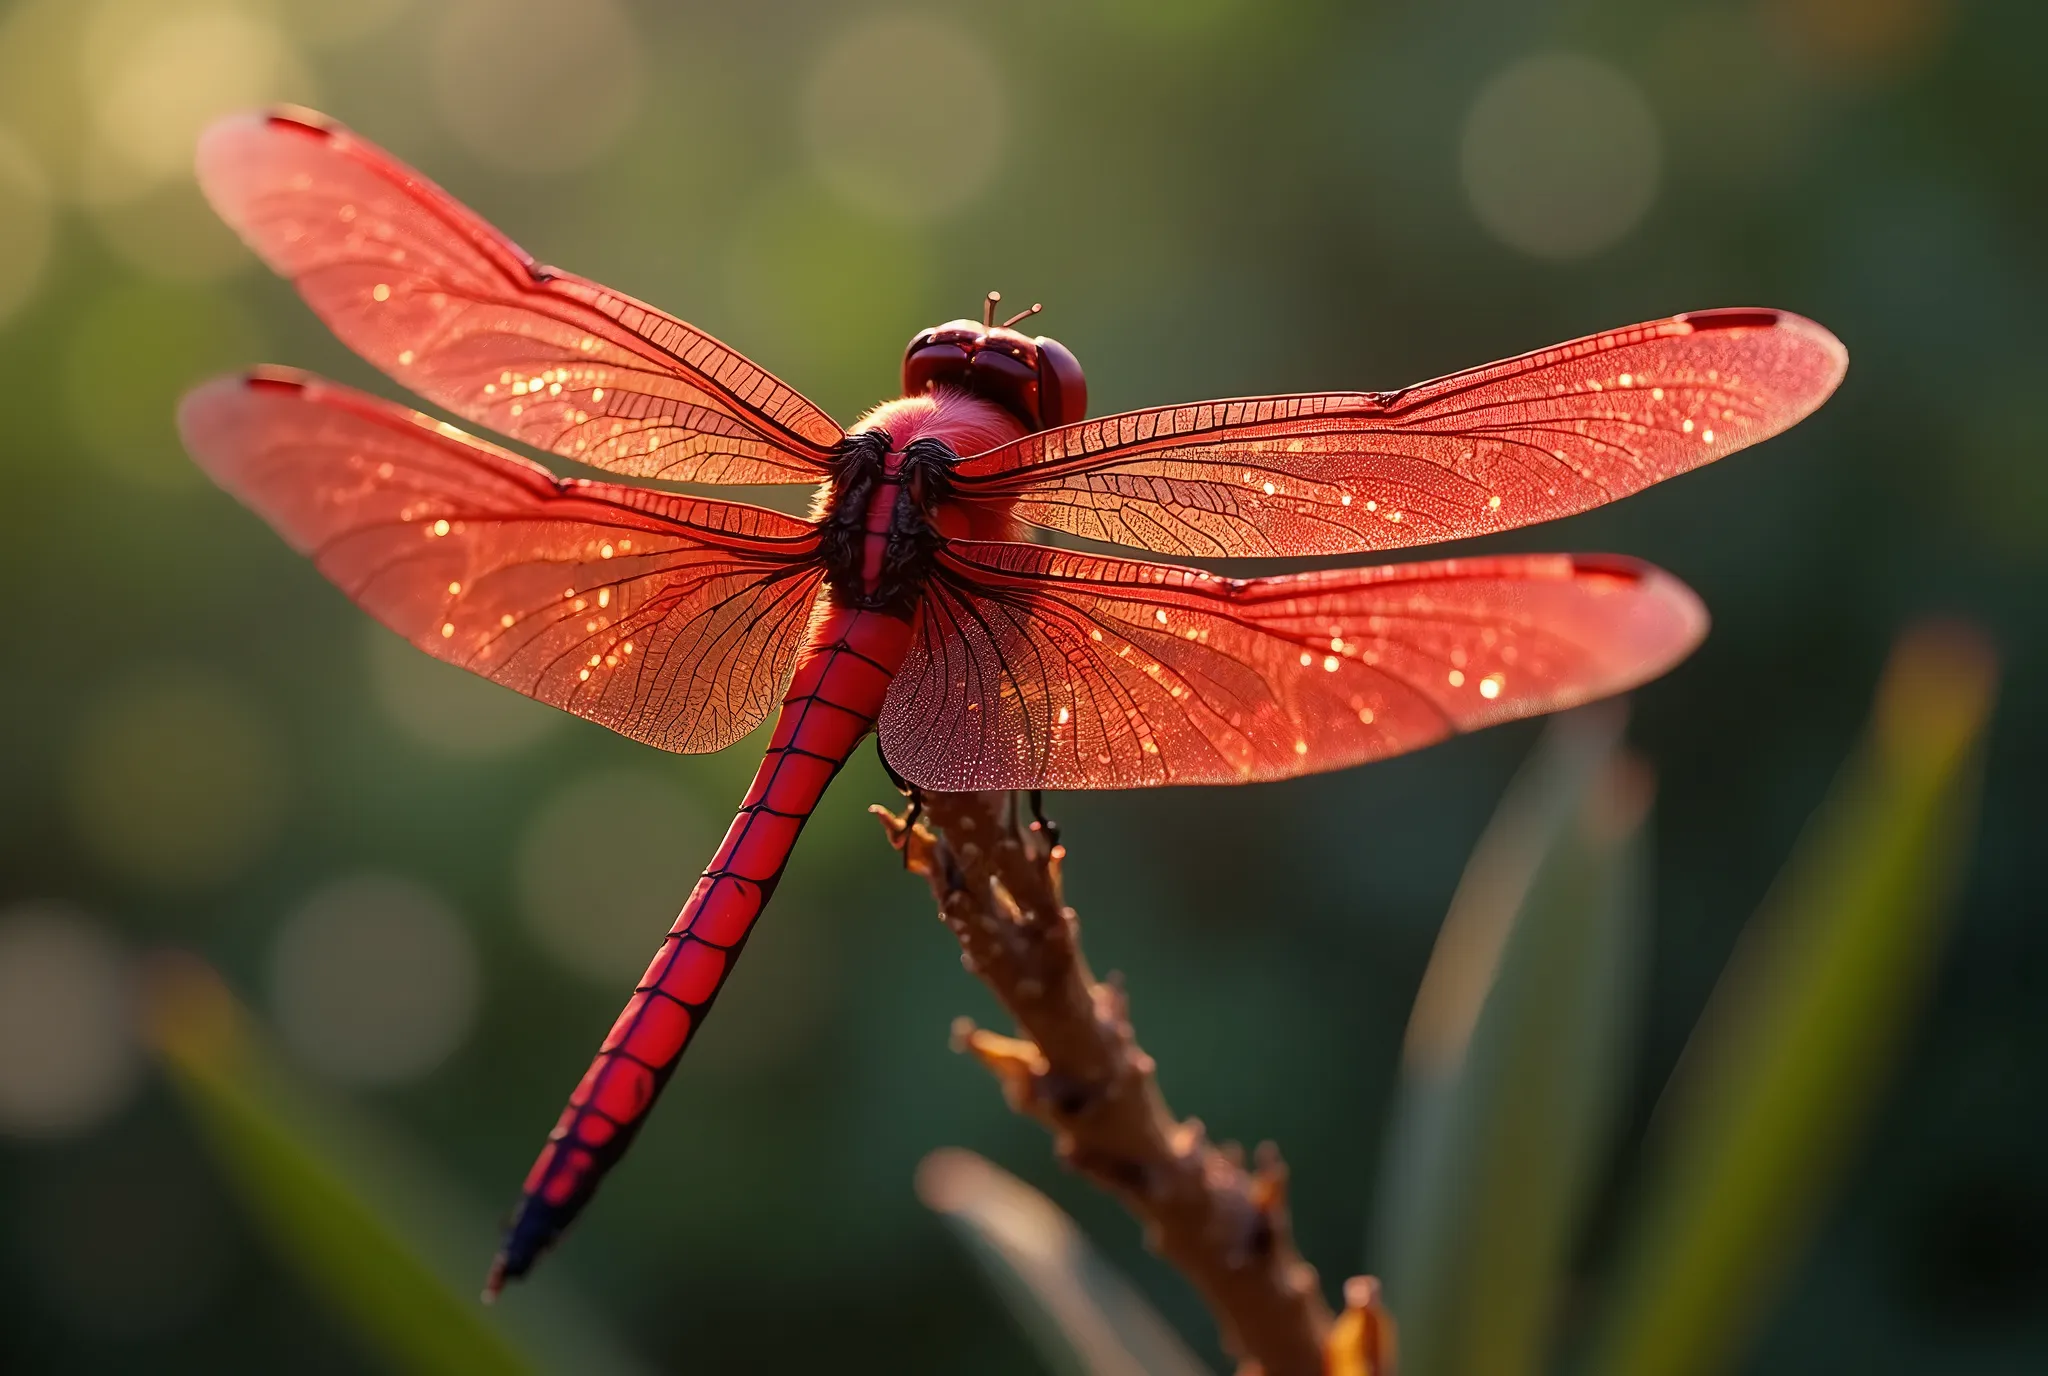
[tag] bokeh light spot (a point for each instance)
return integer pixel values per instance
(132, 352)
(176, 778)
(448, 709)
(156, 72)
(373, 980)
(67, 1024)
(604, 867)
(25, 225)
(1560, 156)
(906, 117)
(42, 100)
(1863, 38)
(530, 87)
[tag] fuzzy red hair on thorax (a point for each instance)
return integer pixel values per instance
(967, 424)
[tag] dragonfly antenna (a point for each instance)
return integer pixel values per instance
(988, 309)
(1036, 307)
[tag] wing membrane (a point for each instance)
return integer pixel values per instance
(673, 620)
(1040, 668)
(1510, 444)
(422, 287)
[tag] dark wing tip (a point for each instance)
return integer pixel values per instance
(1834, 356)
(230, 138)
(231, 129)
(276, 377)
(213, 417)
(302, 120)
(1671, 617)
(1623, 567)
(1735, 318)
(267, 377)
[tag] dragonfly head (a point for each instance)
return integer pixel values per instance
(1035, 379)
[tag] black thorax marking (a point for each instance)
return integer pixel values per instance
(860, 478)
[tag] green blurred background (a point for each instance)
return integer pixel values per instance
(437, 894)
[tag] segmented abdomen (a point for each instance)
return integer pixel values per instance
(841, 679)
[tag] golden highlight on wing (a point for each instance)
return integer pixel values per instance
(1529, 439)
(673, 620)
(1040, 668)
(423, 288)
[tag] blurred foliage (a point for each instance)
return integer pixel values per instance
(1214, 198)
(1803, 1029)
(1080, 1313)
(1514, 1059)
(377, 1246)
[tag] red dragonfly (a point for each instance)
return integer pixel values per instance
(911, 602)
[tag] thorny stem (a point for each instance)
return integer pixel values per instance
(1078, 1069)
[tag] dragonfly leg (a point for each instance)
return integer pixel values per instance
(903, 785)
(1045, 823)
(908, 790)
(910, 820)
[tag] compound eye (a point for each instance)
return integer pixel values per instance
(1062, 386)
(1010, 344)
(929, 363)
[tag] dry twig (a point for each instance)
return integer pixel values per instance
(1078, 1069)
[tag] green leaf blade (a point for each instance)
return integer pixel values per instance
(1798, 1035)
(1080, 1313)
(370, 1234)
(1512, 1064)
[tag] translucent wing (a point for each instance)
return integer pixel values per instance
(422, 287)
(1529, 439)
(1041, 668)
(670, 619)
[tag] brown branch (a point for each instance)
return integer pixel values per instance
(1079, 1070)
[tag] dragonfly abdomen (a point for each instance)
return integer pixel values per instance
(841, 679)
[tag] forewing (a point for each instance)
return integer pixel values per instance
(1529, 439)
(1041, 668)
(422, 287)
(670, 619)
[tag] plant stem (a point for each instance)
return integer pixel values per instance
(1078, 1069)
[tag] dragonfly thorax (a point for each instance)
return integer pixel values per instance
(891, 500)
(878, 528)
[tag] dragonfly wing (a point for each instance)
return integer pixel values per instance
(422, 287)
(1042, 668)
(674, 620)
(1529, 439)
